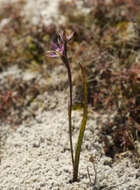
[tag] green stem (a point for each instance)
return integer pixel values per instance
(82, 128)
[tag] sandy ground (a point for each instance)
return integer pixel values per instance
(36, 155)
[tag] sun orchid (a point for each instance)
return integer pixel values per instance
(60, 50)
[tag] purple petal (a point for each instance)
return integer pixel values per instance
(52, 54)
(54, 46)
(70, 36)
(60, 42)
(61, 37)
(61, 49)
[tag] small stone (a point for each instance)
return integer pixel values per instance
(36, 144)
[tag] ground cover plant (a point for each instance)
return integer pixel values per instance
(106, 41)
(24, 47)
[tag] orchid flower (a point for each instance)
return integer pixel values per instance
(59, 49)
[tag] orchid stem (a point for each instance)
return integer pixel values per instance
(66, 62)
(70, 114)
